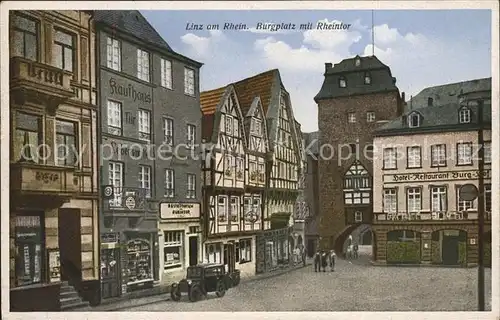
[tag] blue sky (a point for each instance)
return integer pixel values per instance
(422, 47)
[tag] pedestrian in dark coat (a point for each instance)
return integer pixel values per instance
(317, 261)
(332, 260)
(324, 260)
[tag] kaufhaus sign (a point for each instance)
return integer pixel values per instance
(436, 176)
(128, 91)
(176, 210)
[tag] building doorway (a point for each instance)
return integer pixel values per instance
(450, 247)
(110, 272)
(70, 244)
(193, 251)
(229, 257)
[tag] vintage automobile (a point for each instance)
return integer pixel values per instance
(203, 279)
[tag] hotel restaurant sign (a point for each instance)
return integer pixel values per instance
(176, 210)
(436, 176)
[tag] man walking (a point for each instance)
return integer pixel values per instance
(324, 260)
(332, 260)
(317, 261)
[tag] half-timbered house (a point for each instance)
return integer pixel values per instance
(229, 231)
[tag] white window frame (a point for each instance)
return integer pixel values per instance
(370, 116)
(114, 54)
(342, 82)
(191, 186)
(390, 158)
(240, 167)
(464, 115)
(358, 216)
(115, 178)
(144, 126)
(228, 165)
(189, 81)
(414, 199)
(114, 115)
(411, 118)
(464, 153)
(439, 197)
(438, 155)
(245, 251)
(234, 208)
(487, 152)
(463, 205)
(216, 255)
(173, 239)
(169, 183)
(145, 179)
(191, 136)
(168, 131)
(166, 73)
(143, 68)
(351, 117)
(414, 157)
(222, 208)
(390, 201)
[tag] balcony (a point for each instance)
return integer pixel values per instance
(34, 179)
(32, 81)
(434, 217)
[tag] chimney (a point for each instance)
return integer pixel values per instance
(403, 96)
(429, 102)
(328, 65)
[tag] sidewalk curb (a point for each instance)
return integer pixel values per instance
(164, 296)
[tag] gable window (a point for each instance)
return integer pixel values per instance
(24, 37)
(351, 117)
(464, 153)
(357, 185)
(368, 78)
(487, 152)
(63, 50)
(463, 205)
(144, 125)
(143, 65)
(357, 63)
(191, 135)
(114, 118)
(191, 186)
(114, 57)
(166, 73)
(438, 155)
(222, 208)
(370, 116)
(169, 183)
(438, 199)
(66, 143)
(189, 81)
(464, 115)
(145, 180)
(342, 82)
(28, 137)
(115, 178)
(390, 158)
(414, 158)
(358, 216)
(414, 120)
(256, 127)
(168, 130)
(414, 199)
(390, 201)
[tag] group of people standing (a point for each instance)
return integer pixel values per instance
(324, 258)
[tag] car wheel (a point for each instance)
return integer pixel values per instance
(175, 292)
(221, 289)
(194, 293)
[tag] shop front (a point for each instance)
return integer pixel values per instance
(234, 252)
(179, 239)
(273, 249)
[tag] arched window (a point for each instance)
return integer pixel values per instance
(357, 185)
(414, 120)
(342, 82)
(464, 115)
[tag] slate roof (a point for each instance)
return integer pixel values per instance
(436, 119)
(131, 22)
(381, 78)
(448, 93)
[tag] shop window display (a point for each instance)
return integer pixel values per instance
(28, 250)
(139, 260)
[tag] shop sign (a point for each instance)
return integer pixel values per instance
(437, 176)
(130, 202)
(176, 210)
(128, 91)
(54, 266)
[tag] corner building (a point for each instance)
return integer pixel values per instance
(357, 96)
(150, 128)
(54, 237)
(424, 157)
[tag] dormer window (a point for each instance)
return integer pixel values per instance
(464, 115)
(368, 78)
(342, 82)
(414, 120)
(357, 62)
